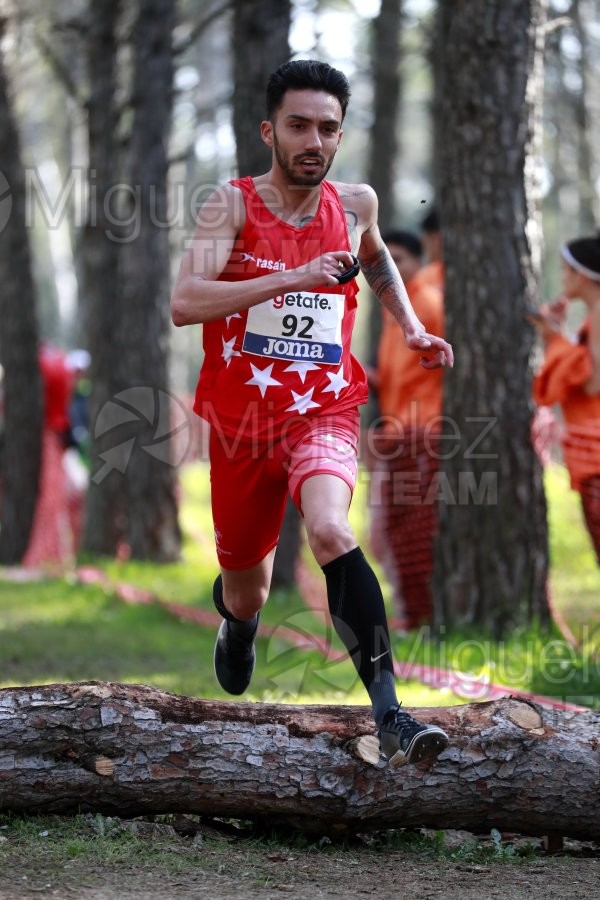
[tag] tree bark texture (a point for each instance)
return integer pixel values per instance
(383, 149)
(260, 45)
(152, 530)
(288, 548)
(491, 556)
(385, 63)
(103, 525)
(132, 489)
(132, 750)
(20, 453)
(589, 208)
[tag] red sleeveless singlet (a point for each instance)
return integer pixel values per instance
(289, 356)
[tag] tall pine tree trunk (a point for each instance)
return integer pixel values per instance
(492, 557)
(261, 44)
(132, 490)
(104, 512)
(385, 62)
(21, 451)
(152, 525)
(588, 197)
(383, 154)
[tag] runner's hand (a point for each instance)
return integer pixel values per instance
(323, 269)
(439, 352)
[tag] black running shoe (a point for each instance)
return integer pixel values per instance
(404, 740)
(234, 660)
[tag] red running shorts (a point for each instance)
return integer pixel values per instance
(250, 480)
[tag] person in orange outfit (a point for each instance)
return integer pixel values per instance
(432, 273)
(570, 374)
(410, 401)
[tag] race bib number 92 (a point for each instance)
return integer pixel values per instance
(297, 326)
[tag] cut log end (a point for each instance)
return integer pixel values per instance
(104, 766)
(98, 765)
(525, 716)
(365, 748)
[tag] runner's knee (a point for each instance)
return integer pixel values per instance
(330, 538)
(245, 602)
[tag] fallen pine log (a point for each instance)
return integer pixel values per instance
(130, 750)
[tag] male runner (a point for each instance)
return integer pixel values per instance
(281, 388)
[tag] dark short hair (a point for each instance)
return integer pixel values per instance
(306, 74)
(586, 252)
(431, 222)
(405, 239)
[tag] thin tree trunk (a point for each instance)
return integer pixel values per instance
(383, 154)
(131, 750)
(152, 525)
(492, 559)
(385, 61)
(288, 548)
(588, 197)
(260, 45)
(132, 490)
(21, 451)
(557, 104)
(104, 522)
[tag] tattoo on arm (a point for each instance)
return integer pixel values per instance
(383, 279)
(353, 194)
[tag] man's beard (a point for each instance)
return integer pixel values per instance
(306, 179)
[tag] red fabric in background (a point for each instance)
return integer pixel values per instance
(590, 502)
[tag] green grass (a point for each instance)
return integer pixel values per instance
(73, 855)
(61, 630)
(101, 840)
(530, 660)
(187, 581)
(476, 850)
(575, 575)
(53, 632)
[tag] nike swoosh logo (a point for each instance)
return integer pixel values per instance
(375, 658)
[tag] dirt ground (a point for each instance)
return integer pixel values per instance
(224, 868)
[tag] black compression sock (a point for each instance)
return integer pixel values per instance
(237, 627)
(358, 615)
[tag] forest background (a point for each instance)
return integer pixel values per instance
(124, 117)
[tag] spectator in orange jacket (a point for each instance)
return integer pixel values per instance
(432, 273)
(570, 374)
(410, 401)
